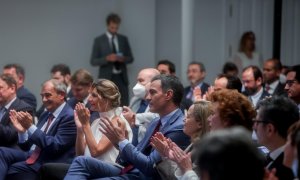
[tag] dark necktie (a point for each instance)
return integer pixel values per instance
(114, 50)
(267, 88)
(143, 106)
(268, 159)
(2, 112)
(36, 152)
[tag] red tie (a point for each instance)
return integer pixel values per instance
(36, 152)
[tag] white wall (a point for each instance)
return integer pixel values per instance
(38, 34)
(290, 39)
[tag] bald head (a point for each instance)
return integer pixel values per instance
(145, 75)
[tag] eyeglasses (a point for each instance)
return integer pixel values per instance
(290, 82)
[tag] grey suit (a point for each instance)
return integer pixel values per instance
(101, 49)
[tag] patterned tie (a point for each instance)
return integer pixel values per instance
(36, 152)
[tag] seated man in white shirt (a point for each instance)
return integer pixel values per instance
(138, 114)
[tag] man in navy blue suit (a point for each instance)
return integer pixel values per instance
(51, 140)
(164, 97)
(81, 83)
(196, 74)
(9, 101)
(18, 72)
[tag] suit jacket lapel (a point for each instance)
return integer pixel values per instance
(145, 142)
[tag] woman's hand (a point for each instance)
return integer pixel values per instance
(159, 142)
(182, 158)
(83, 114)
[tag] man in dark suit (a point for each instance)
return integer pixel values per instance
(164, 97)
(9, 101)
(271, 72)
(252, 79)
(51, 140)
(81, 83)
(18, 72)
(111, 52)
(292, 86)
(271, 125)
(196, 74)
(62, 73)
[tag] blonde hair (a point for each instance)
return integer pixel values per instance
(202, 110)
(108, 90)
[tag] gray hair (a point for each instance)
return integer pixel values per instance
(59, 87)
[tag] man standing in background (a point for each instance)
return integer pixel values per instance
(111, 52)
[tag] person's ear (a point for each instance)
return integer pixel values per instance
(169, 94)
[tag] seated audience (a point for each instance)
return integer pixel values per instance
(166, 67)
(293, 84)
(195, 126)
(230, 69)
(62, 73)
(224, 81)
(18, 72)
(222, 155)
(252, 79)
(51, 140)
(271, 72)
(138, 162)
(196, 74)
(275, 116)
(10, 101)
(105, 99)
(138, 114)
(81, 83)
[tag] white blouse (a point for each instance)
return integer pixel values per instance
(110, 155)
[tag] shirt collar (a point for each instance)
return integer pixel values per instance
(274, 84)
(165, 119)
(58, 110)
(85, 100)
(7, 106)
(258, 94)
(274, 154)
(199, 85)
(109, 35)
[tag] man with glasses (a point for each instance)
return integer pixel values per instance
(292, 84)
(274, 118)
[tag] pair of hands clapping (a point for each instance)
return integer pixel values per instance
(167, 148)
(21, 120)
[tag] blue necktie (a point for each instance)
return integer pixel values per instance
(143, 106)
(2, 112)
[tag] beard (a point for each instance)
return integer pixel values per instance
(251, 91)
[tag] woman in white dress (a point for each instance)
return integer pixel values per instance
(90, 142)
(247, 55)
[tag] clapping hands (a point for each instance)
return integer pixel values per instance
(20, 120)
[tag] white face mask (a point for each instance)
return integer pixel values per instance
(139, 91)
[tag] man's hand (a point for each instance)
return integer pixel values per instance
(112, 58)
(129, 115)
(25, 119)
(115, 133)
(15, 122)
